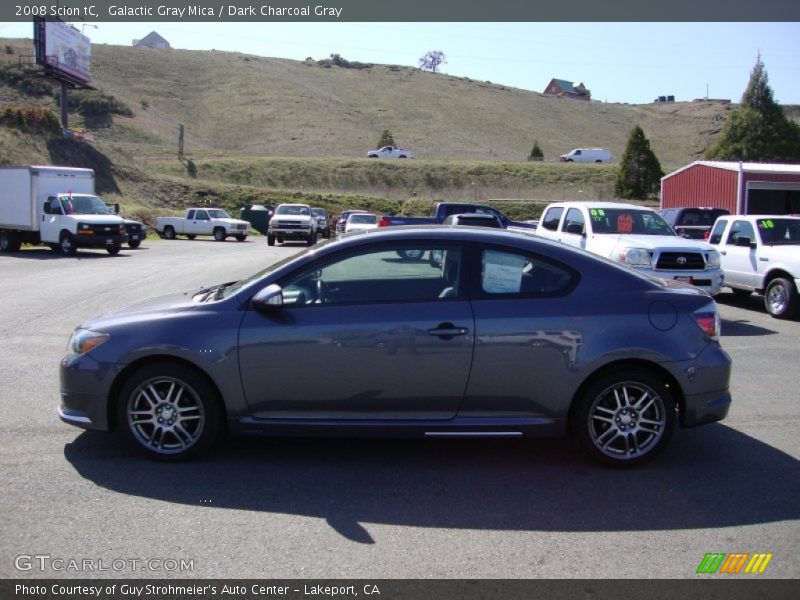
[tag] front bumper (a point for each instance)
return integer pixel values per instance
(710, 281)
(85, 389)
(291, 234)
(98, 240)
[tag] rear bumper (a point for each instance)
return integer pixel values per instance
(705, 408)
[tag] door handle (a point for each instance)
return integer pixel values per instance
(764, 259)
(447, 330)
(723, 252)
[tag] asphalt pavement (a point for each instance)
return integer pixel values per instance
(305, 508)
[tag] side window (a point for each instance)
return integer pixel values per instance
(574, 221)
(426, 272)
(55, 206)
(201, 215)
(577, 152)
(740, 229)
(190, 215)
(552, 217)
(716, 233)
(509, 273)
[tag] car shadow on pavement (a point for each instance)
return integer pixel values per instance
(712, 476)
(743, 328)
(47, 254)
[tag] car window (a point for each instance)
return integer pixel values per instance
(425, 272)
(740, 229)
(574, 217)
(716, 233)
(779, 231)
(552, 217)
(624, 220)
(511, 273)
(700, 217)
(201, 215)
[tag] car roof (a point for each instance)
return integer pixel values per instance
(600, 204)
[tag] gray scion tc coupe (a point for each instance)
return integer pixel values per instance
(430, 331)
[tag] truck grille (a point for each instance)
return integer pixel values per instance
(681, 261)
(241, 226)
(291, 225)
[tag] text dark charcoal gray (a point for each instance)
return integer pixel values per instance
(406, 11)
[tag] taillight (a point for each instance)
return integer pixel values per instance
(707, 319)
(706, 234)
(384, 222)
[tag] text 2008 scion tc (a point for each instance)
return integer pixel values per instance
(424, 331)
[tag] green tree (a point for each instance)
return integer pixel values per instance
(758, 130)
(386, 139)
(536, 152)
(639, 171)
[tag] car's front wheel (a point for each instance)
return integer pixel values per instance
(169, 410)
(780, 298)
(219, 234)
(624, 418)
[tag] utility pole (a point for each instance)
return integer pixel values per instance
(180, 141)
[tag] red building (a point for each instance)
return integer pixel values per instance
(560, 88)
(742, 188)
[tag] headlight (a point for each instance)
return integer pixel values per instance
(83, 340)
(713, 259)
(634, 256)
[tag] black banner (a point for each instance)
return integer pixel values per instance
(391, 589)
(401, 10)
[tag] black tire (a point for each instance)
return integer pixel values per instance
(780, 298)
(134, 243)
(402, 156)
(114, 250)
(270, 240)
(241, 238)
(219, 234)
(327, 233)
(153, 427)
(372, 156)
(9, 241)
(312, 239)
(66, 244)
(191, 236)
(410, 254)
(169, 232)
(608, 418)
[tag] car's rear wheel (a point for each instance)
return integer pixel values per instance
(780, 298)
(9, 242)
(624, 418)
(169, 411)
(410, 254)
(169, 232)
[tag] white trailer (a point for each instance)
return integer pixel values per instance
(56, 206)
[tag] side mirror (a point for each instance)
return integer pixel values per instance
(576, 228)
(744, 242)
(115, 208)
(270, 298)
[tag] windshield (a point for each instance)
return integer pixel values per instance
(84, 205)
(318, 212)
(628, 221)
(371, 219)
(234, 289)
(785, 232)
(292, 209)
(218, 213)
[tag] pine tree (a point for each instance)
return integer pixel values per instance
(536, 152)
(639, 172)
(758, 130)
(386, 139)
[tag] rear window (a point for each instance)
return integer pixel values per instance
(700, 217)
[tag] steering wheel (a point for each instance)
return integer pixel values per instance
(323, 292)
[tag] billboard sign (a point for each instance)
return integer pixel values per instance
(64, 50)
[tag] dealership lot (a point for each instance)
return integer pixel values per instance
(367, 508)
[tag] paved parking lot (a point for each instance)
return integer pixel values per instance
(367, 508)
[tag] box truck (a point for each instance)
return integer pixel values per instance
(55, 206)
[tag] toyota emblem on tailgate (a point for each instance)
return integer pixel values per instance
(681, 260)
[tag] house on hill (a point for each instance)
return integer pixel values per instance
(560, 88)
(151, 40)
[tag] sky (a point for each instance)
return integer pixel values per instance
(618, 62)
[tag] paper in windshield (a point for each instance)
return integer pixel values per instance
(502, 272)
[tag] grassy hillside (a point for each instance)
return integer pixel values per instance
(235, 104)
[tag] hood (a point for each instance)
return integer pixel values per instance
(98, 219)
(612, 242)
(293, 218)
(166, 305)
(232, 221)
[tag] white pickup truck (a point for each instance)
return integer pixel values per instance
(390, 152)
(761, 254)
(635, 236)
(203, 221)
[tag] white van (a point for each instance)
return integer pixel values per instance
(592, 155)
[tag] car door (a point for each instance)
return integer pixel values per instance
(363, 334)
(528, 341)
(572, 231)
(52, 220)
(740, 262)
(199, 225)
